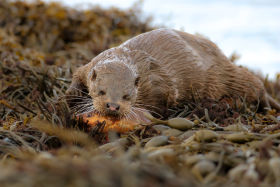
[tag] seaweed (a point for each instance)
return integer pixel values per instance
(228, 142)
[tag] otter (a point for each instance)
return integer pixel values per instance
(157, 70)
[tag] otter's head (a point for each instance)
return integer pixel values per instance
(113, 87)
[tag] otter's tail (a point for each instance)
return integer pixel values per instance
(272, 102)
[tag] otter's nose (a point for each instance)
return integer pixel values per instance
(113, 106)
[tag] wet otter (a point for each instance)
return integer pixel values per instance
(159, 69)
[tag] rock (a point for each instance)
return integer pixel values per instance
(239, 137)
(237, 172)
(157, 141)
(172, 132)
(191, 160)
(236, 127)
(180, 123)
(160, 153)
(186, 135)
(205, 136)
(161, 128)
(203, 167)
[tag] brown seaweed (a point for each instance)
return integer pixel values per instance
(229, 143)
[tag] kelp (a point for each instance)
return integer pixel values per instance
(207, 142)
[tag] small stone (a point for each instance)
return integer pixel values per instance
(213, 156)
(161, 128)
(191, 160)
(206, 136)
(180, 123)
(161, 153)
(8, 140)
(237, 172)
(236, 127)
(274, 164)
(204, 167)
(113, 145)
(157, 141)
(186, 135)
(172, 132)
(44, 156)
(239, 137)
(196, 122)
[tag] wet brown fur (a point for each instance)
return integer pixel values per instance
(172, 66)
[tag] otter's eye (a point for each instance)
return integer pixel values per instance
(126, 97)
(101, 92)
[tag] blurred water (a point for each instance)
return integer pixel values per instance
(249, 27)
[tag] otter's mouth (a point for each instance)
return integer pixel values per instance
(113, 115)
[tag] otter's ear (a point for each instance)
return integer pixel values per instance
(93, 75)
(136, 83)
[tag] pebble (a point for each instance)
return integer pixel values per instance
(237, 172)
(157, 141)
(172, 132)
(191, 160)
(205, 136)
(239, 137)
(251, 173)
(161, 128)
(213, 156)
(186, 135)
(113, 145)
(8, 140)
(236, 127)
(164, 152)
(204, 167)
(274, 164)
(44, 156)
(180, 123)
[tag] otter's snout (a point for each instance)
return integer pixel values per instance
(112, 107)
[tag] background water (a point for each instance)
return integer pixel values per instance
(249, 27)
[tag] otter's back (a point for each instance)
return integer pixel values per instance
(170, 46)
(185, 57)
